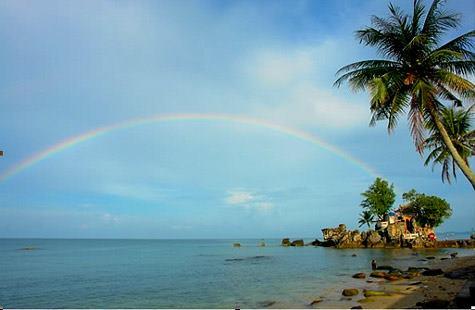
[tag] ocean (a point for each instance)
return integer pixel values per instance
(110, 273)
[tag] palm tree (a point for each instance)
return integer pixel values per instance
(416, 73)
(457, 122)
(365, 218)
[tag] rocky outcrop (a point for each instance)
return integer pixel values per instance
(297, 243)
(285, 242)
(391, 237)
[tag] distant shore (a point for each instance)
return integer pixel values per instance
(421, 291)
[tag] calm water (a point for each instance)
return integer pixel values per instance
(181, 273)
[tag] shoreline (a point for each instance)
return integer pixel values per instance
(421, 291)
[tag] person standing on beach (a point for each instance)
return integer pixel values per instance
(373, 264)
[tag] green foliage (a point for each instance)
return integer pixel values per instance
(427, 210)
(379, 198)
(366, 218)
(417, 73)
(458, 123)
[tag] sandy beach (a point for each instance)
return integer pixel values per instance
(422, 291)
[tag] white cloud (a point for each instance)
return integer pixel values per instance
(239, 197)
(306, 104)
(294, 85)
(274, 68)
(248, 200)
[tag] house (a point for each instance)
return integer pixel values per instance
(400, 224)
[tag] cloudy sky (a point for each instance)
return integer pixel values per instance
(69, 67)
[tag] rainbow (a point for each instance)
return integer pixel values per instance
(73, 141)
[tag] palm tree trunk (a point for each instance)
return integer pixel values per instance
(453, 151)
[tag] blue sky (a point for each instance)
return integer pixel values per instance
(69, 67)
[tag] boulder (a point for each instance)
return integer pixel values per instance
(350, 292)
(373, 239)
(356, 307)
(285, 242)
(385, 267)
(392, 277)
(316, 242)
(298, 242)
(359, 275)
(316, 301)
(237, 245)
(378, 274)
(432, 272)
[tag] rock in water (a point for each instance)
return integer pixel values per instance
(359, 275)
(316, 301)
(378, 274)
(285, 242)
(392, 277)
(236, 245)
(298, 242)
(350, 292)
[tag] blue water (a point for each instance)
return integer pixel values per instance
(182, 273)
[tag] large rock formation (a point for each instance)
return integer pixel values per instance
(391, 237)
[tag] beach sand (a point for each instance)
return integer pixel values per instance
(413, 293)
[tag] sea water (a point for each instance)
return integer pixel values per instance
(60, 273)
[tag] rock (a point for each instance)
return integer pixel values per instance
(444, 258)
(316, 301)
(266, 303)
(422, 260)
(416, 269)
(353, 255)
(262, 244)
(298, 242)
(453, 255)
(236, 245)
(434, 304)
(415, 283)
(373, 238)
(356, 307)
(410, 275)
(370, 293)
(285, 242)
(430, 257)
(350, 292)
(316, 242)
(385, 267)
(29, 248)
(432, 272)
(378, 274)
(392, 277)
(359, 275)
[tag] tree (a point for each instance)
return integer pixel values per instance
(427, 210)
(366, 218)
(416, 73)
(457, 121)
(379, 198)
